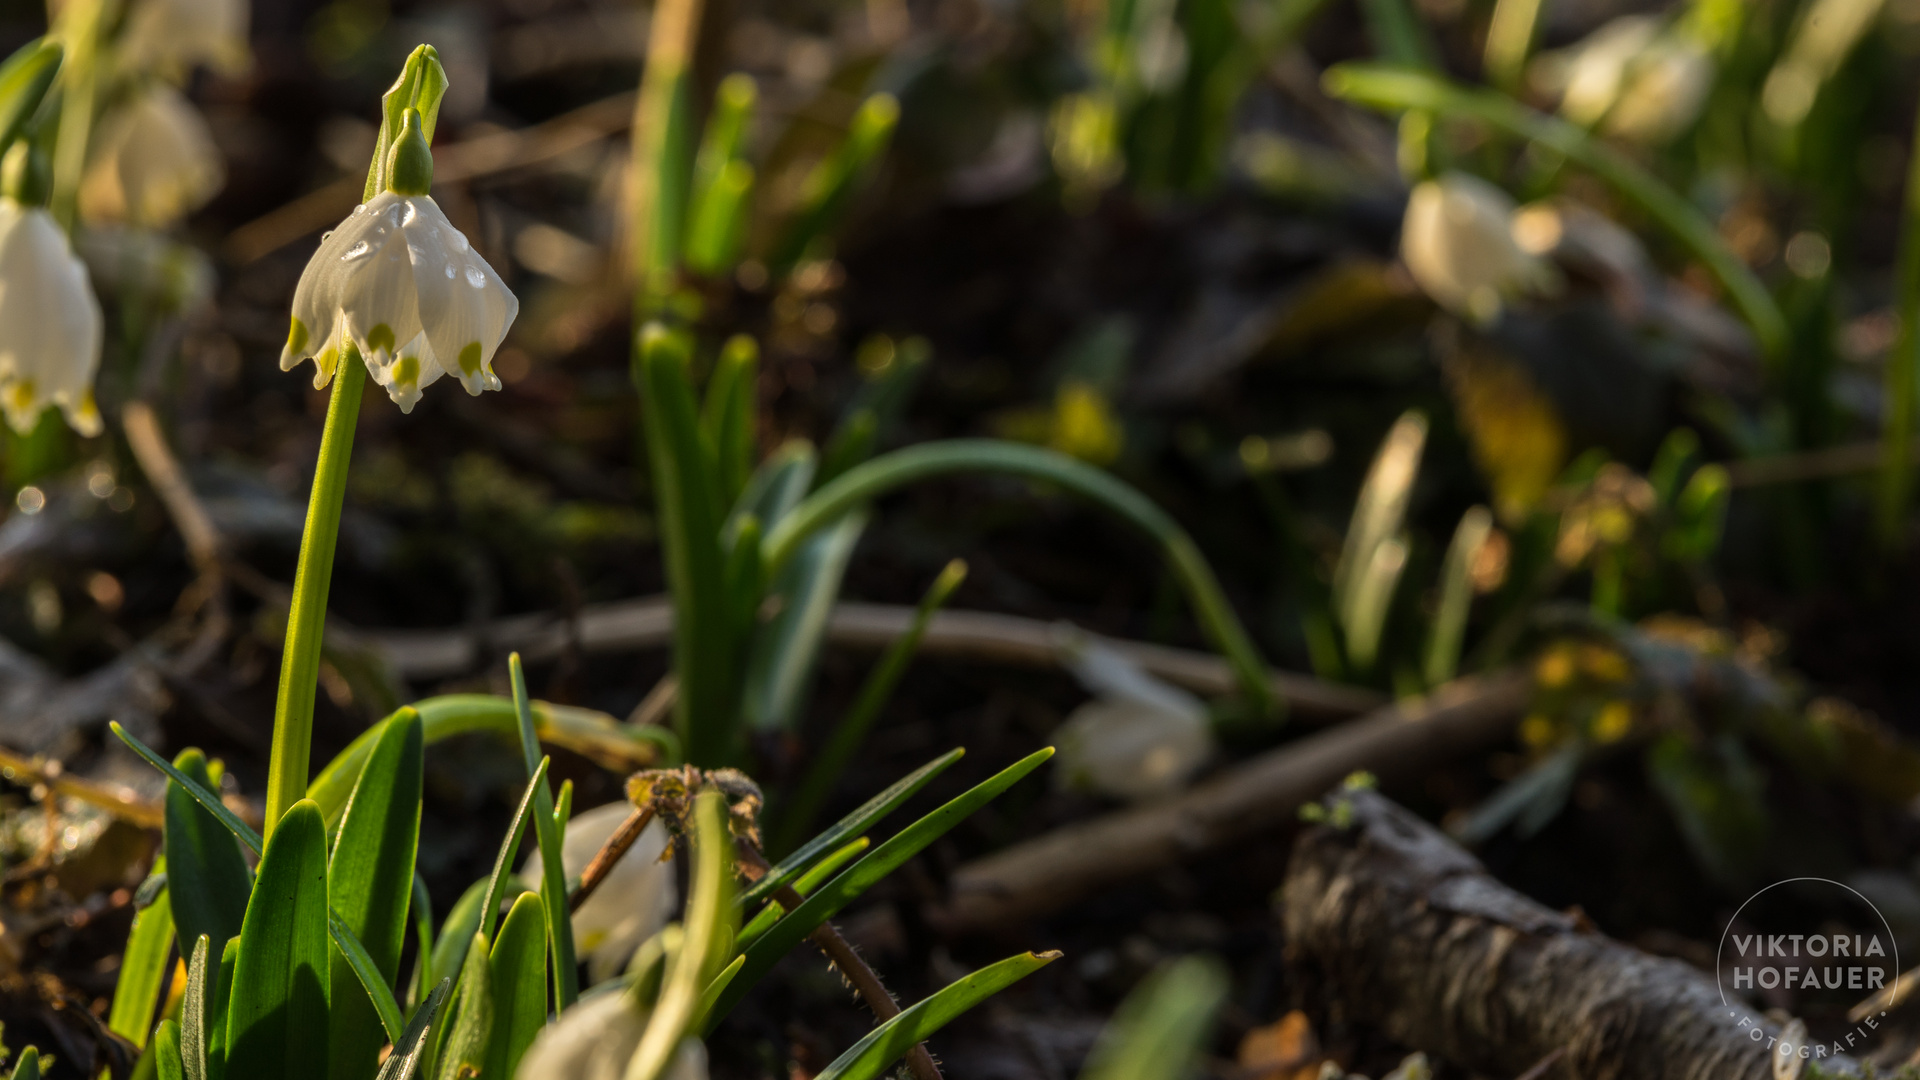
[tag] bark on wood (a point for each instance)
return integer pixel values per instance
(1053, 871)
(1391, 925)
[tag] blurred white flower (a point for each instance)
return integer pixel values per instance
(50, 323)
(153, 162)
(1139, 738)
(632, 903)
(1457, 240)
(403, 287)
(1635, 77)
(171, 36)
(151, 267)
(595, 1039)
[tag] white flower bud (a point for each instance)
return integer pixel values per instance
(50, 323)
(632, 903)
(171, 36)
(399, 285)
(1139, 738)
(1634, 77)
(153, 162)
(1457, 240)
(596, 1038)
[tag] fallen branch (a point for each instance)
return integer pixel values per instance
(647, 623)
(1390, 924)
(1050, 872)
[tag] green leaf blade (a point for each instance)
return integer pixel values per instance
(276, 1021)
(208, 877)
(519, 980)
(886, 1044)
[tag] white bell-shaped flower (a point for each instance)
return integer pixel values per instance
(172, 36)
(1457, 240)
(154, 162)
(398, 285)
(1634, 77)
(632, 903)
(50, 323)
(595, 1039)
(1139, 738)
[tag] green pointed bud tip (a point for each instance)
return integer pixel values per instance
(26, 176)
(410, 162)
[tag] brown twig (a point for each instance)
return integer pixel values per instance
(118, 802)
(610, 854)
(149, 446)
(1540, 1068)
(655, 707)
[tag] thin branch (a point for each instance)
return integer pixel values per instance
(609, 855)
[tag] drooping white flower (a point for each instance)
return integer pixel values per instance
(596, 1038)
(171, 36)
(399, 285)
(50, 323)
(153, 162)
(1139, 738)
(1634, 77)
(632, 903)
(1457, 240)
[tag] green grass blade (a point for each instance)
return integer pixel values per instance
(714, 989)
(1159, 1030)
(585, 731)
(463, 921)
(422, 911)
(869, 1058)
(409, 1051)
(1902, 376)
(241, 831)
(370, 887)
(25, 78)
(796, 818)
(661, 148)
(143, 967)
(553, 873)
(519, 982)
(360, 964)
(1379, 511)
(829, 187)
(883, 474)
(725, 138)
(503, 862)
(1381, 87)
(849, 827)
(703, 953)
(856, 879)
(466, 1044)
(1511, 32)
(207, 876)
(166, 1052)
(722, 181)
(194, 1014)
(217, 1010)
(771, 912)
(731, 414)
(28, 1067)
(275, 1024)
(684, 489)
(1449, 629)
(786, 651)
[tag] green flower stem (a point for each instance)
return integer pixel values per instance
(863, 483)
(1384, 87)
(306, 619)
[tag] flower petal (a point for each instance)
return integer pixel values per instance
(465, 307)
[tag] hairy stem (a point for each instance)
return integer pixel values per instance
(610, 853)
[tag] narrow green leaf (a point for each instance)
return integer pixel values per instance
(241, 831)
(869, 1058)
(702, 954)
(786, 650)
(422, 909)
(1382, 87)
(1449, 627)
(218, 1008)
(725, 139)
(370, 887)
(714, 989)
(409, 1051)
(849, 827)
(209, 877)
(829, 188)
(194, 1012)
(143, 968)
(718, 225)
(771, 912)
(864, 483)
(25, 78)
(353, 956)
(28, 1067)
(166, 1052)
(274, 1024)
(856, 879)
(730, 413)
(1158, 1031)
(518, 978)
(684, 486)
(503, 862)
(466, 1043)
(463, 921)
(777, 486)
(833, 760)
(553, 872)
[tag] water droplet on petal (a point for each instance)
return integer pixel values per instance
(475, 278)
(357, 251)
(459, 240)
(449, 271)
(361, 209)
